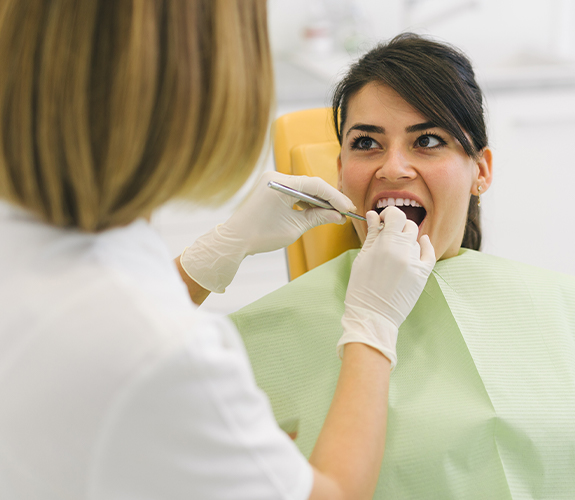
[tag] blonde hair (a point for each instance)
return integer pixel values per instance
(111, 108)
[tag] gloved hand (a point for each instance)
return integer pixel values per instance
(387, 278)
(265, 221)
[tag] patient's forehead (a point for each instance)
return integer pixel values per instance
(379, 104)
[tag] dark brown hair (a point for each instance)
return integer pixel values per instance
(439, 82)
(111, 108)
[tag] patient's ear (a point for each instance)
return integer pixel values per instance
(339, 183)
(485, 170)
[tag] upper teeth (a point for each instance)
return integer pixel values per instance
(396, 202)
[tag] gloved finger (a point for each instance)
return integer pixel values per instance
(308, 206)
(303, 205)
(427, 250)
(373, 224)
(317, 216)
(411, 229)
(320, 188)
(394, 219)
(415, 252)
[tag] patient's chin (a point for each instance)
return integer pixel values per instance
(361, 229)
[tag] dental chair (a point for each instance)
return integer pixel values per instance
(305, 144)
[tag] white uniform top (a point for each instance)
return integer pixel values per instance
(112, 384)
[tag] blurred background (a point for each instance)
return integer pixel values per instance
(524, 56)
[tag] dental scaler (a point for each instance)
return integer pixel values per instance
(308, 198)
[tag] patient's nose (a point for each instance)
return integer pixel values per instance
(395, 166)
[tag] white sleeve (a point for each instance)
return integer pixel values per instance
(195, 426)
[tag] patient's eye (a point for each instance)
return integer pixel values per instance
(429, 141)
(363, 142)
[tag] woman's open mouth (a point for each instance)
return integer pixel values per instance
(412, 209)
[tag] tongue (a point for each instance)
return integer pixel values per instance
(416, 214)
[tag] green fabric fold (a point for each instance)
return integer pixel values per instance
(482, 402)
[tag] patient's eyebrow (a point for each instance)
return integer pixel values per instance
(375, 129)
(364, 127)
(419, 127)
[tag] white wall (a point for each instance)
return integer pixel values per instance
(527, 212)
(492, 32)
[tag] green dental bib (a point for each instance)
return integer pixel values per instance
(482, 402)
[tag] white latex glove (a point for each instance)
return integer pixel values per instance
(387, 278)
(265, 221)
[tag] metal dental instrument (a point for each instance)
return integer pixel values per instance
(308, 198)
